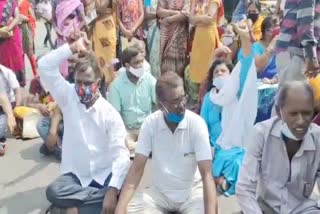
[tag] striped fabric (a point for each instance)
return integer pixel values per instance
(300, 26)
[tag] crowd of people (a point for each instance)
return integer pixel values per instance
(219, 96)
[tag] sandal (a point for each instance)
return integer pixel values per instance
(2, 149)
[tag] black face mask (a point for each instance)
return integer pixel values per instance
(253, 16)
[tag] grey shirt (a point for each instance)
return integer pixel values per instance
(267, 175)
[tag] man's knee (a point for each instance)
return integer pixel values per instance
(43, 127)
(52, 193)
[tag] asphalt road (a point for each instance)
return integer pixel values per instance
(25, 173)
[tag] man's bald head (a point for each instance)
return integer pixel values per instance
(295, 88)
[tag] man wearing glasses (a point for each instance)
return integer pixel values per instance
(179, 142)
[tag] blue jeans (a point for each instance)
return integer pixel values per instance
(43, 128)
(3, 125)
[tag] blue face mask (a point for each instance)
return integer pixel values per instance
(172, 117)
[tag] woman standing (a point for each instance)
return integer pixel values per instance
(69, 18)
(103, 34)
(153, 37)
(130, 16)
(173, 34)
(11, 54)
(256, 19)
(27, 27)
(206, 16)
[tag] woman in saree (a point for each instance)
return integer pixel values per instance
(27, 27)
(206, 17)
(255, 20)
(173, 16)
(153, 36)
(11, 54)
(130, 14)
(70, 18)
(102, 31)
(229, 110)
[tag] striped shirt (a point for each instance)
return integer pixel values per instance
(300, 27)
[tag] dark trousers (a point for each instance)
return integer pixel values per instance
(48, 35)
(67, 192)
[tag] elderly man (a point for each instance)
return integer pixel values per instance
(94, 157)
(282, 161)
(179, 142)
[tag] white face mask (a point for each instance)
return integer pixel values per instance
(218, 82)
(138, 72)
(227, 40)
(285, 130)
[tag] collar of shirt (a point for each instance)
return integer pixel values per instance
(94, 107)
(182, 125)
(308, 143)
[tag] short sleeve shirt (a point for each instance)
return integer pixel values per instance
(174, 155)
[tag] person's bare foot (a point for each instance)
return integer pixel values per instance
(2, 148)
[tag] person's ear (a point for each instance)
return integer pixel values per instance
(127, 66)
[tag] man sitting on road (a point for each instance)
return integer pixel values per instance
(282, 162)
(94, 157)
(50, 126)
(179, 142)
(132, 93)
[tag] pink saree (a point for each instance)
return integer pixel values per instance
(66, 9)
(11, 54)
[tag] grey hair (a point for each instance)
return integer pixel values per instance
(283, 91)
(167, 80)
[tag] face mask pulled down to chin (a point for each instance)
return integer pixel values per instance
(285, 130)
(172, 117)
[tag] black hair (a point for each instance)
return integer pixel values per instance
(211, 71)
(88, 61)
(283, 92)
(167, 80)
(128, 54)
(267, 23)
(256, 3)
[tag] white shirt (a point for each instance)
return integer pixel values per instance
(9, 82)
(174, 155)
(94, 139)
(45, 10)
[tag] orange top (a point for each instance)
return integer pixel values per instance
(24, 9)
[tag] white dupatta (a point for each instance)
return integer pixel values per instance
(238, 115)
